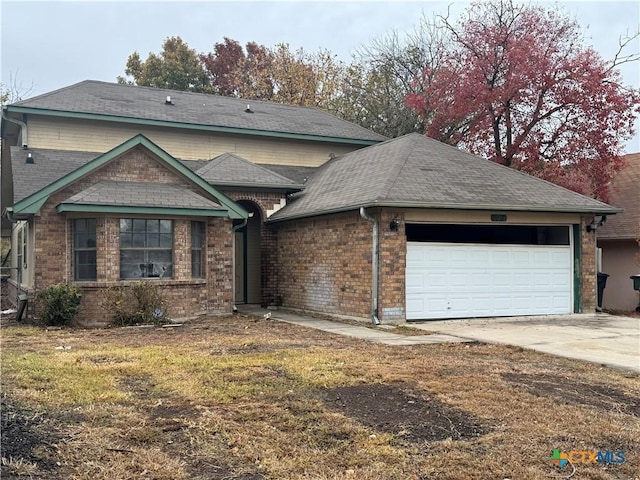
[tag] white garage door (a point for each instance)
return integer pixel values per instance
(470, 280)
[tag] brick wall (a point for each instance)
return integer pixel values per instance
(186, 297)
(330, 271)
(265, 201)
(393, 259)
(588, 266)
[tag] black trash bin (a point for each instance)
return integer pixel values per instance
(602, 283)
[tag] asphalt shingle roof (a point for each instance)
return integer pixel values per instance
(298, 174)
(416, 171)
(188, 108)
(625, 193)
(49, 165)
(231, 169)
(141, 194)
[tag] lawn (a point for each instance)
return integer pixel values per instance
(241, 398)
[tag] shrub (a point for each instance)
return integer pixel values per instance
(140, 303)
(60, 304)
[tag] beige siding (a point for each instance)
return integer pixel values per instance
(619, 261)
(26, 247)
(452, 216)
(96, 136)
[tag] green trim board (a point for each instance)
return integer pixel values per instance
(190, 212)
(191, 126)
(34, 202)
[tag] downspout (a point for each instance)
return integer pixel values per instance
(233, 283)
(22, 125)
(374, 267)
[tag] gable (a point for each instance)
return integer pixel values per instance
(234, 171)
(138, 159)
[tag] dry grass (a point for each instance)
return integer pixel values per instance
(231, 398)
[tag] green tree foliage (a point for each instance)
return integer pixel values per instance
(177, 67)
(60, 304)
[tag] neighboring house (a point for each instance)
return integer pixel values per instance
(619, 236)
(223, 201)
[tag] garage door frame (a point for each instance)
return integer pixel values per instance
(569, 256)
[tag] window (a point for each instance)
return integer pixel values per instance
(197, 241)
(489, 234)
(84, 249)
(20, 252)
(146, 248)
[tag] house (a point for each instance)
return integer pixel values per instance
(619, 236)
(223, 201)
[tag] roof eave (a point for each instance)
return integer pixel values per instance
(35, 201)
(143, 210)
(258, 186)
(191, 126)
(403, 204)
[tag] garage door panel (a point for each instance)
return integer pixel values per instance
(500, 279)
(465, 280)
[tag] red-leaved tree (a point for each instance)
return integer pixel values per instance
(518, 85)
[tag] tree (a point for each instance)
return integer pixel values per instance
(14, 90)
(177, 67)
(277, 74)
(518, 86)
(385, 72)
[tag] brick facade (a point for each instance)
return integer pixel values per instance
(589, 279)
(330, 271)
(186, 297)
(266, 202)
(393, 258)
(320, 264)
(324, 264)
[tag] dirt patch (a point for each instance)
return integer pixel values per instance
(408, 414)
(576, 392)
(27, 442)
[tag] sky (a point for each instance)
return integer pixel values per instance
(52, 44)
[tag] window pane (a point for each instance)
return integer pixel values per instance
(84, 242)
(153, 240)
(166, 226)
(166, 240)
(197, 232)
(126, 225)
(196, 263)
(139, 225)
(153, 226)
(138, 240)
(125, 240)
(132, 263)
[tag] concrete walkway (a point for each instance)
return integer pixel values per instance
(381, 334)
(599, 338)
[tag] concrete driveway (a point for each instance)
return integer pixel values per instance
(606, 339)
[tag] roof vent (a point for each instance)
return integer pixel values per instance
(30, 158)
(168, 100)
(248, 109)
